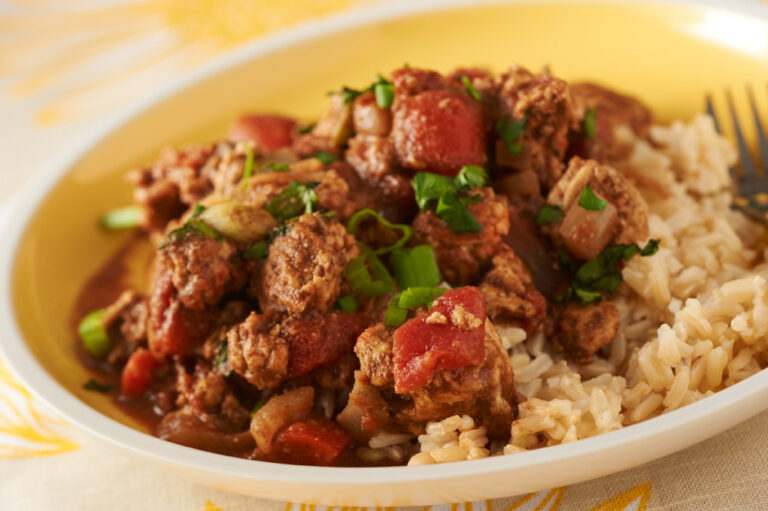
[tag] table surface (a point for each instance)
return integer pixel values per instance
(49, 93)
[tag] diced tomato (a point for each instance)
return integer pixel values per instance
(315, 341)
(269, 132)
(137, 372)
(173, 329)
(313, 442)
(439, 131)
(411, 80)
(447, 337)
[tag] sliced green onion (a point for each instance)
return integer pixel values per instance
(95, 386)
(417, 296)
(297, 199)
(354, 223)
(92, 333)
(121, 218)
(416, 267)
(368, 276)
(510, 132)
(276, 167)
(248, 169)
(349, 95)
(347, 303)
(306, 129)
(549, 214)
(325, 157)
(590, 122)
(471, 88)
(395, 315)
(385, 94)
(590, 201)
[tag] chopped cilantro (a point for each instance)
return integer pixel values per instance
(590, 120)
(325, 157)
(471, 176)
(590, 201)
(284, 167)
(602, 273)
(297, 199)
(549, 214)
(453, 211)
(248, 169)
(306, 129)
(95, 386)
(471, 88)
(446, 193)
(510, 132)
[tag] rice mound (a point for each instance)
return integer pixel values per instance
(694, 317)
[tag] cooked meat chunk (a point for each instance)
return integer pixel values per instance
(410, 81)
(374, 349)
(209, 432)
(367, 413)
(546, 102)
(269, 132)
(582, 330)
(205, 389)
(510, 293)
(255, 354)
(128, 316)
(371, 156)
(173, 328)
(461, 257)
(614, 113)
(485, 391)
(202, 269)
(586, 232)
(169, 186)
(439, 131)
(304, 266)
(368, 118)
(266, 355)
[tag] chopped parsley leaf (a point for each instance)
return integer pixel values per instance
(549, 214)
(510, 132)
(297, 199)
(590, 201)
(446, 194)
(284, 167)
(306, 129)
(325, 158)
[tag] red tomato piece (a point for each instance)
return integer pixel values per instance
(448, 336)
(318, 340)
(173, 329)
(439, 131)
(269, 132)
(137, 372)
(312, 442)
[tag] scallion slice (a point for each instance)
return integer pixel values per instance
(590, 123)
(297, 199)
(385, 94)
(549, 214)
(325, 157)
(354, 224)
(416, 267)
(417, 296)
(347, 303)
(395, 315)
(248, 169)
(471, 88)
(92, 333)
(121, 218)
(368, 276)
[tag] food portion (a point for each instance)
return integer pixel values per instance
(440, 268)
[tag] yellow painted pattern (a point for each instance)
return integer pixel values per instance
(88, 77)
(25, 431)
(210, 506)
(635, 499)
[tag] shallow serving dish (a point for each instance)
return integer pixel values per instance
(668, 54)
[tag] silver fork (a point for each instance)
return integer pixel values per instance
(752, 185)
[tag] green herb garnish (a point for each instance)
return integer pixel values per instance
(590, 122)
(416, 267)
(417, 296)
(275, 167)
(510, 132)
(471, 88)
(257, 250)
(471, 176)
(222, 356)
(549, 214)
(384, 92)
(325, 157)
(95, 386)
(306, 129)
(367, 275)
(590, 201)
(297, 199)
(347, 303)
(395, 315)
(192, 226)
(354, 224)
(248, 169)
(95, 339)
(445, 193)
(602, 273)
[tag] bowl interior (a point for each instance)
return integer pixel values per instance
(668, 55)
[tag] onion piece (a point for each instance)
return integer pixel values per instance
(279, 412)
(586, 233)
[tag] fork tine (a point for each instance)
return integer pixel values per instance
(762, 140)
(748, 167)
(712, 114)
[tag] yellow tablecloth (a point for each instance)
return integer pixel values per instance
(50, 91)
